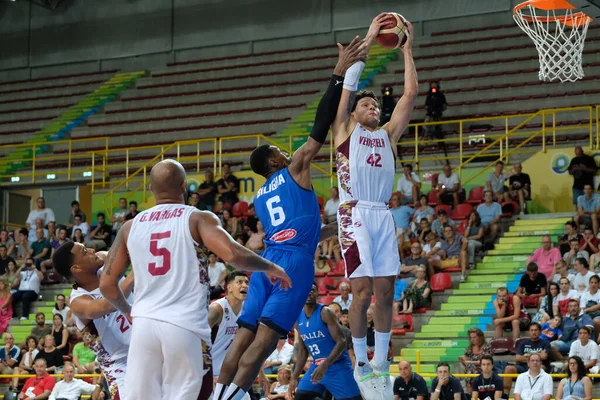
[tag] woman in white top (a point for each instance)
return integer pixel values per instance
(61, 307)
(279, 389)
(26, 364)
(431, 250)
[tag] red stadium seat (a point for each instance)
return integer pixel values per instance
(462, 227)
(339, 269)
(502, 346)
(326, 300)
(432, 197)
(516, 345)
(402, 320)
(476, 195)
(440, 282)
(240, 209)
(323, 285)
(461, 211)
(443, 207)
(422, 310)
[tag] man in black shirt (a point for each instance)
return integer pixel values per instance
(206, 192)
(532, 286)
(4, 259)
(99, 238)
(519, 185)
(409, 385)
(133, 211)
(488, 385)
(445, 386)
(228, 186)
(583, 168)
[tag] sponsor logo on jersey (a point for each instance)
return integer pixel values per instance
(284, 236)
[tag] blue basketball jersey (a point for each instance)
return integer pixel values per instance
(290, 214)
(316, 337)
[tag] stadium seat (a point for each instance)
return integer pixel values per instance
(443, 207)
(323, 285)
(509, 208)
(461, 211)
(516, 344)
(502, 346)
(339, 269)
(423, 310)
(462, 227)
(321, 202)
(401, 320)
(326, 300)
(432, 197)
(240, 209)
(476, 195)
(440, 282)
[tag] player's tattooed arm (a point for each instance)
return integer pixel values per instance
(215, 315)
(115, 265)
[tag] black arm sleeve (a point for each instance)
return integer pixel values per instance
(327, 109)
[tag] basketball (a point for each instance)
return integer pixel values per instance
(394, 34)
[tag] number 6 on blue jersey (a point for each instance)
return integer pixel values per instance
(275, 212)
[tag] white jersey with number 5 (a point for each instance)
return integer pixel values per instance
(366, 166)
(171, 280)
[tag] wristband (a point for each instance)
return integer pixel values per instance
(438, 390)
(353, 76)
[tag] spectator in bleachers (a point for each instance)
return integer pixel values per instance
(217, 274)
(9, 243)
(251, 219)
(61, 307)
(23, 247)
(448, 187)
(4, 259)
(589, 242)
(585, 348)
(576, 385)
(29, 287)
(78, 236)
(422, 230)
(207, 192)
(344, 319)
(40, 330)
(81, 225)
(133, 211)
(526, 349)
(282, 355)
(118, 216)
(551, 329)
(83, 357)
(493, 388)
(473, 236)
(441, 221)
(399, 289)
(41, 248)
(561, 271)
(228, 186)
(581, 282)
(495, 182)
(219, 207)
(474, 353)
(409, 385)
(402, 215)
(279, 388)
(490, 213)
(588, 207)
(71, 389)
(561, 301)
(431, 251)
(230, 223)
(524, 390)
(589, 302)
(418, 294)
(52, 355)
(12, 276)
(570, 326)
(5, 304)
(510, 314)
(451, 253)
(409, 186)
(256, 240)
(32, 234)
(331, 206)
(52, 232)
(532, 286)
(10, 354)
(545, 257)
(545, 311)
(423, 210)
(74, 211)
(444, 385)
(40, 386)
(571, 232)
(60, 334)
(583, 168)
(28, 355)
(409, 265)
(99, 237)
(46, 214)
(519, 185)
(345, 297)
(195, 200)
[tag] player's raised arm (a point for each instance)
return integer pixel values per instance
(341, 128)
(208, 227)
(326, 112)
(115, 265)
(401, 115)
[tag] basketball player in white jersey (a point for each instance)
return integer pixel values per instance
(168, 356)
(365, 168)
(110, 330)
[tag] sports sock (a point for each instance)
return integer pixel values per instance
(219, 393)
(360, 349)
(234, 393)
(382, 343)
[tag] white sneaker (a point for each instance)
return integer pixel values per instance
(367, 381)
(462, 278)
(24, 318)
(384, 384)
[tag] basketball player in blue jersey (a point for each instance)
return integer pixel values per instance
(321, 336)
(366, 163)
(288, 209)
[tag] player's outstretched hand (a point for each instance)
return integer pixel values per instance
(356, 50)
(411, 35)
(376, 25)
(276, 273)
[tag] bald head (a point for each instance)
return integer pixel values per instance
(167, 179)
(405, 370)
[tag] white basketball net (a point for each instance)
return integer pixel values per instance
(559, 45)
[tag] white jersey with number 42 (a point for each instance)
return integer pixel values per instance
(171, 280)
(366, 166)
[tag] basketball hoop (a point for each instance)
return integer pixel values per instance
(558, 34)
